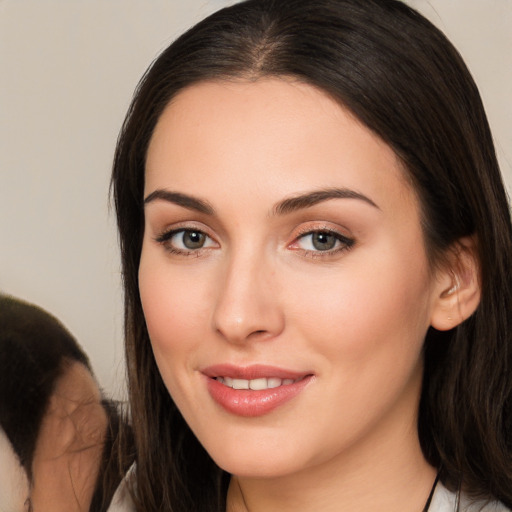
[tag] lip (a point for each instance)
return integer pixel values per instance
(249, 403)
(255, 371)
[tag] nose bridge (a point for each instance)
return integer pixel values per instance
(247, 304)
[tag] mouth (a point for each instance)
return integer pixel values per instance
(257, 384)
(255, 390)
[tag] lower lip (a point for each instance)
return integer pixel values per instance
(243, 402)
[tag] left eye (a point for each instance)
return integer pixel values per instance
(322, 241)
(187, 240)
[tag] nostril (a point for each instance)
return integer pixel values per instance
(259, 334)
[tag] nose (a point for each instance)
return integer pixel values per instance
(247, 305)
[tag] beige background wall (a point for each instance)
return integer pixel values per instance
(67, 72)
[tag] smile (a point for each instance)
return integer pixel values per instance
(255, 390)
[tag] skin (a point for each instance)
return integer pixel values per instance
(258, 291)
(69, 445)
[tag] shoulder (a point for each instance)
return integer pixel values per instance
(447, 501)
(122, 499)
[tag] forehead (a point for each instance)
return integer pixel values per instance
(273, 135)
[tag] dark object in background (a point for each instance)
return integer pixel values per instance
(34, 347)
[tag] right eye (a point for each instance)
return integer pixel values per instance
(185, 241)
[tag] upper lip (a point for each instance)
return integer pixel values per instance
(256, 371)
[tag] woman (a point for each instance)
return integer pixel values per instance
(316, 246)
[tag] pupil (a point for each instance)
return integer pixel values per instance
(193, 239)
(323, 241)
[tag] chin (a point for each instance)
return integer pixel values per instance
(270, 468)
(261, 458)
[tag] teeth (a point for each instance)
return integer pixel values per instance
(255, 384)
(240, 384)
(274, 382)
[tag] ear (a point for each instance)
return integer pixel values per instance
(457, 293)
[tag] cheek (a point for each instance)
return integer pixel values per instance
(370, 311)
(174, 308)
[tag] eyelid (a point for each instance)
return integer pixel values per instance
(166, 234)
(347, 241)
(170, 233)
(168, 228)
(308, 228)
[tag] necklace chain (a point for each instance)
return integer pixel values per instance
(431, 495)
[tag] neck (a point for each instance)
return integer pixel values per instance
(350, 491)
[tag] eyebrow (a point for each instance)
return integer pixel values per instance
(184, 200)
(309, 199)
(289, 205)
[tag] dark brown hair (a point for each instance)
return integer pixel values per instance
(403, 79)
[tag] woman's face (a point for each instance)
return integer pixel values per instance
(283, 252)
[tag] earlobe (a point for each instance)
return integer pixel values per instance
(458, 286)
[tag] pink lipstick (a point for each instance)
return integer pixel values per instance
(254, 390)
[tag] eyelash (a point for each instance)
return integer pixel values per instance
(166, 236)
(345, 243)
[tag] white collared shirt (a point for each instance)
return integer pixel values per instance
(447, 501)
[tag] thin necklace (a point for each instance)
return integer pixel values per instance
(431, 495)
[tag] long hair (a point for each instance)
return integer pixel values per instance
(403, 79)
